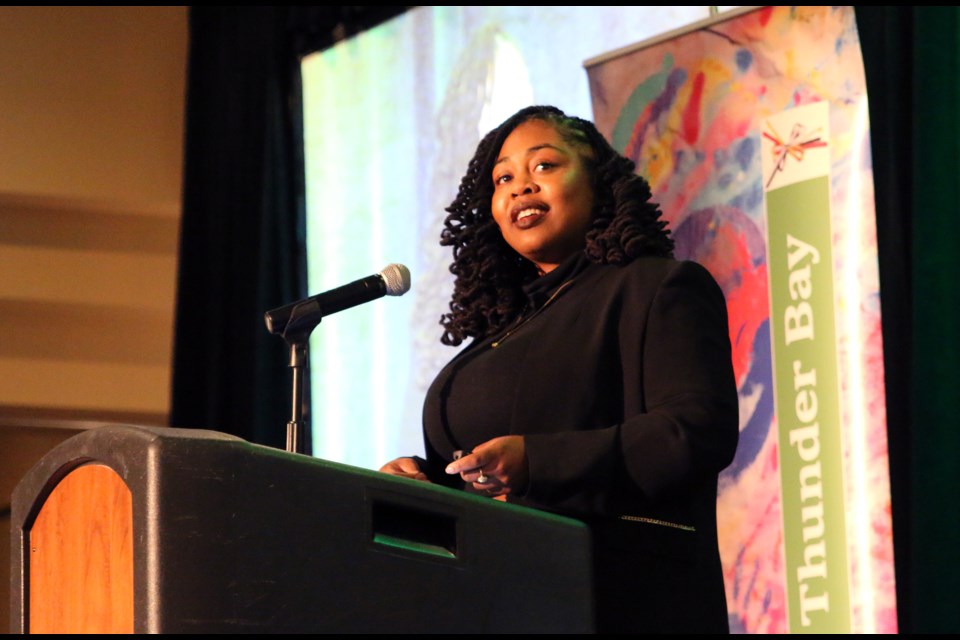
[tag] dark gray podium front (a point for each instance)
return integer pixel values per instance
(231, 537)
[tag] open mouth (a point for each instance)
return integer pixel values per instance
(527, 214)
(527, 218)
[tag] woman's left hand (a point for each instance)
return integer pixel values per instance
(497, 467)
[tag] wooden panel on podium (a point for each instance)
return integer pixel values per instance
(159, 530)
(81, 556)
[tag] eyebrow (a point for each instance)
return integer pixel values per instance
(545, 145)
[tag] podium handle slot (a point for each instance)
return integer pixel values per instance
(414, 530)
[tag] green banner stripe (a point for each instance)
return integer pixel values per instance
(808, 407)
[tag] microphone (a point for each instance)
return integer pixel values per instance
(394, 280)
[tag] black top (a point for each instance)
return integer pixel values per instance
(461, 409)
(621, 381)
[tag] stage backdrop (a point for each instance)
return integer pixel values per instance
(391, 119)
(753, 132)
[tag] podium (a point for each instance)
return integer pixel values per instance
(137, 529)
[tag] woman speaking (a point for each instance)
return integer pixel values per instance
(597, 382)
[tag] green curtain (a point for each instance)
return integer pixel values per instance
(911, 56)
(242, 246)
(935, 512)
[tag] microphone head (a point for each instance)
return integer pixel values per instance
(397, 278)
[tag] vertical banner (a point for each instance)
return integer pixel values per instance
(807, 391)
(752, 130)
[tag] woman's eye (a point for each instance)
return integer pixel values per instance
(502, 178)
(544, 165)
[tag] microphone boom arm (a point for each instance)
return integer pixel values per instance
(295, 322)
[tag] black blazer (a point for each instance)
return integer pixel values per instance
(625, 393)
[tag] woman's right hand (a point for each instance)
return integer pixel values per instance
(405, 468)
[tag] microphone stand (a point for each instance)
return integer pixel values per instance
(303, 319)
(296, 426)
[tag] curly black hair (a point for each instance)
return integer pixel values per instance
(488, 289)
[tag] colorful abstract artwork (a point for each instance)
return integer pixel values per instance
(701, 112)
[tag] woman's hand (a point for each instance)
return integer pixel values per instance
(497, 467)
(405, 468)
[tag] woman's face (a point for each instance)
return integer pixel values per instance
(542, 198)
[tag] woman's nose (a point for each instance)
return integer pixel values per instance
(525, 186)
